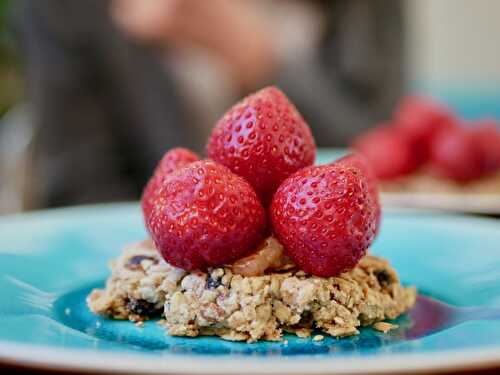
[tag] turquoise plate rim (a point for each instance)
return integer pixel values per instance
(40, 356)
(70, 359)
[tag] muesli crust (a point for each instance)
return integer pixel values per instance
(142, 285)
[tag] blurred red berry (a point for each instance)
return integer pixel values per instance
(486, 134)
(388, 152)
(420, 120)
(455, 155)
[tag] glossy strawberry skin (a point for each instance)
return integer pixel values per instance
(455, 155)
(173, 159)
(203, 215)
(264, 139)
(388, 151)
(325, 218)
(358, 161)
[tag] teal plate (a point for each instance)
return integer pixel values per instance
(50, 260)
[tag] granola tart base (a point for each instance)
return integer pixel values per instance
(238, 308)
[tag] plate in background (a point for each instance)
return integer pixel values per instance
(488, 204)
(50, 260)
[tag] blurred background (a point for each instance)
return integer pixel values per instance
(92, 93)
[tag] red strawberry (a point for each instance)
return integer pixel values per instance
(325, 218)
(359, 162)
(454, 154)
(172, 160)
(388, 152)
(420, 120)
(203, 216)
(176, 158)
(264, 139)
(486, 135)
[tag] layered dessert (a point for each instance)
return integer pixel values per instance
(256, 241)
(425, 148)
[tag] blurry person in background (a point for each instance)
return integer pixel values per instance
(113, 85)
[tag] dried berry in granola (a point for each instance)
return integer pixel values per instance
(143, 308)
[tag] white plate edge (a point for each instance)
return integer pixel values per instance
(456, 202)
(87, 361)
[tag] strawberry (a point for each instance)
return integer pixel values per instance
(176, 158)
(325, 218)
(486, 135)
(388, 152)
(203, 215)
(264, 139)
(455, 155)
(420, 120)
(172, 160)
(358, 161)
